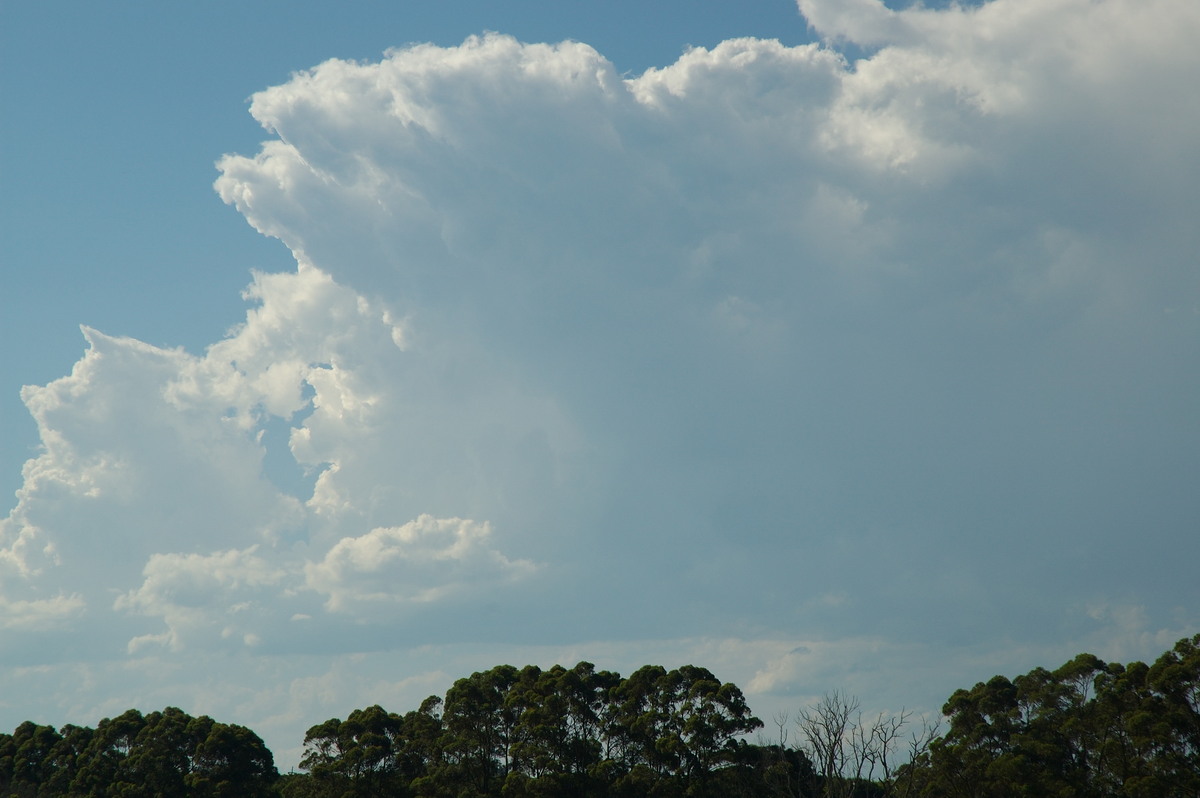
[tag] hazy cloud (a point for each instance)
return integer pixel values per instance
(194, 593)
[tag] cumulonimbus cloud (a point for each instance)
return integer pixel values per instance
(668, 355)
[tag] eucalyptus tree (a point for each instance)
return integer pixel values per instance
(101, 767)
(678, 726)
(65, 757)
(1175, 676)
(27, 759)
(479, 727)
(229, 761)
(561, 738)
(356, 756)
(1088, 729)
(161, 755)
(167, 753)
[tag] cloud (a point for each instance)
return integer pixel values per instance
(153, 485)
(863, 22)
(40, 613)
(192, 591)
(422, 561)
(858, 303)
(827, 363)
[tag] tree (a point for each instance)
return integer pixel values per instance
(857, 756)
(161, 755)
(560, 737)
(101, 768)
(909, 778)
(29, 761)
(639, 720)
(229, 761)
(356, 756)
(65, 758)
(674, 729)
(825, 729)
(712, 718)
(1125, 709)
(419, 751)
(479, 726)
(1086, 729)
(1175, 679)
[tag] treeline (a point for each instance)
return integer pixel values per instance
(166, 753)
(1088, 729)
(530, 732)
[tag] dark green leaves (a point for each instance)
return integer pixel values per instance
(1087, 729)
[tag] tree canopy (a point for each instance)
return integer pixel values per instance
(1087, 729)
(532, 732)
(167, 753)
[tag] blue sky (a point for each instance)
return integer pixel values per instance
(831, 346)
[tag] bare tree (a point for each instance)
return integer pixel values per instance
(850, 751)
(918, 749)
(781, 723)
(826, 734)
(873, 745)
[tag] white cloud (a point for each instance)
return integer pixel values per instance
(193, 591)
(836, 371)
(422, 561)
(38, 614)
(152, 483)
(863, 22)
(129, 467)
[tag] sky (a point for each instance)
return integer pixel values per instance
(830, 346)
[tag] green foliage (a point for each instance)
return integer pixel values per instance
(229, 762)
(1089, 729)
(166, 753)
(357, 756)
(574, 732)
